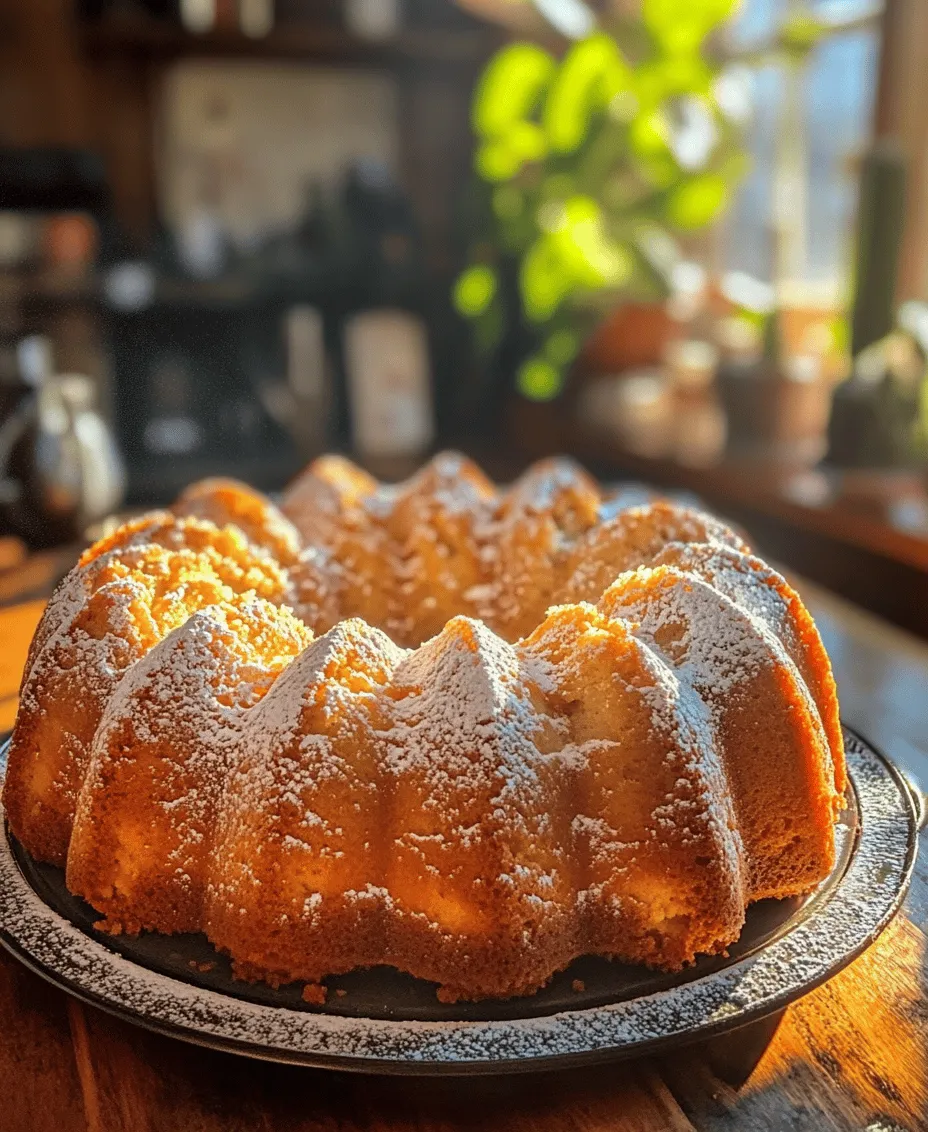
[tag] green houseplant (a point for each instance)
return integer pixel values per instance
(589, 167)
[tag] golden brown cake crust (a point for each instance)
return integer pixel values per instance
(533, 724)
(162, 753)
(106, 615)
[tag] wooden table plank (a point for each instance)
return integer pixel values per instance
(39, 1085)
(847, 1056)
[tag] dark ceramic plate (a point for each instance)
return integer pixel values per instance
(387, 1022)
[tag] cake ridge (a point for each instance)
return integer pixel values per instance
(727, 658)
(777, 605)
(158, 760)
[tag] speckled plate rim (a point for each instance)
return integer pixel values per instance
(860, 906)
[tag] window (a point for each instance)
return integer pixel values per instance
(837, 87)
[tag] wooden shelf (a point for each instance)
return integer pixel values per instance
(414, 46)
(822, 502)
(48, 289)
(862, 534)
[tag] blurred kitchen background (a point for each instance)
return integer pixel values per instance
(684, 241)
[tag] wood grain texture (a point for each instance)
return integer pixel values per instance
(853, 1055)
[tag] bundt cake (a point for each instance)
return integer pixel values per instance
(469, 733)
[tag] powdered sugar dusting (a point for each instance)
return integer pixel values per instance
(448, 542)
(840, 925)
(714, 646)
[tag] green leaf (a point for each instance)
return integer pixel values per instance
(542, 281)
(528, 140)
(679, 26)
(496, 161)
(581, 244)
(503, 157)
(671, 75)
(697, 201)
(840, 331)
(475, 289)
(592, 73)
(648, 139)
(539, 380)
(510, 88)
(649, 134)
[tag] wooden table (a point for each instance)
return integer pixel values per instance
(852, 1055)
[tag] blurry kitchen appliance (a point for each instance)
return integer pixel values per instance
(59, 467)
(60, 470)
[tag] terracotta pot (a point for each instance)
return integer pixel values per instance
(632, 336)
(807, 330)
(772, 415)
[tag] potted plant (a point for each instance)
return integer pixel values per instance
(590, 167)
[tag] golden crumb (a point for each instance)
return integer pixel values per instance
(315, 994)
